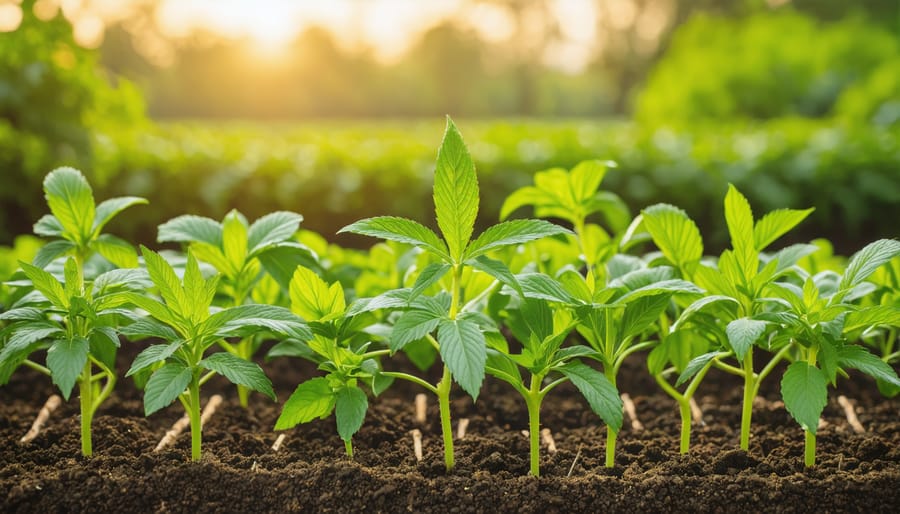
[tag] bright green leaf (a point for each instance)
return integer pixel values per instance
(401, 230)
(350, 411)
(743, 333)
(274, 227)
(190, 228)
(311, 400)
(71, 201)
(464, 350)
(239, 371)
(455, 192)
(775, 224)
(511, 233)
(599, 392)
(164, 386)
(805, 393)
(66, 359)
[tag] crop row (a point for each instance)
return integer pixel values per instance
(530, 302)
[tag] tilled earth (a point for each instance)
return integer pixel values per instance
(310, 473)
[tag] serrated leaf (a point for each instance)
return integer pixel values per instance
(503, 367)
(455, 192)
(165, 279)
(350, 411)
(47, 284)
(674, 233)
(71, 201)
(25, 334)
(311, 400)
(694, 366)
(108, 209)
(538, 285)
(272, 228)
(153, 354)
(528, 195)
(464, 351)
(155, 309)
(857, 357)
(239, 371)
(498, 270)
(739, 218)
(870, 316)
(511, 233)
(52, 251)
(743, 333)
(599, 392)
(245, 320)
(281, 261)
(805, 393)
(401, 230)
(23, 314)
(48, 226)
(66, 359)
(411, 326)
(313, 299)
(430, 275)
(866, 261)
(131, 278)
(73, 280)
(641, 314)
(775, 224)
(700, 305)
(189, 228)
(164, 386)
(234, 241)
(116, 250)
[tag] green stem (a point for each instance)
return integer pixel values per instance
(611, 434)
(37, 367)
(809, 448)
(348, 448)
(747, 404)
(443, 394)
(411, 378)
(533, 403)
(86, 389)
(194, 414)
(684, 409)
(244, 351)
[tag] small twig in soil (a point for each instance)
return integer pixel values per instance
(636, 424)
(49, 406)
(461, 428)
(278, 442)
(822, 424)
(417, 443)
(575, 461)
(696, 413)
(526, 433)
(179, 426)
(421, 406)
(547, 438)
(850, 412)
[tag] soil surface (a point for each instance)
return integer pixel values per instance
(310, 473)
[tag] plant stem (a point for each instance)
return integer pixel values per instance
(809, 435)
(85, 390)
(684, 408)
(243, 351)
(611, 434)
(533, 403)
(443, 394)
(194, 414)
(348, 448)
(747, 404)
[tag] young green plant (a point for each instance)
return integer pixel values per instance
(239, 250)
(459, 338)
(542, 330)
(339, 346)
(189, 328)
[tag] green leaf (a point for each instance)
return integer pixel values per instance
(739, 218)
(155, 309)
(641, 314)
(805, 393)
(48, 226)
(511, 233)
(464, 351)
(72, 287)
(585, 179)
(46, 284)
(281, 261)
(857, 357)
(455, 192)
(411, 326)
(311, 400)
(599, 392)
(108, 209)
(872, 316)
(198, 297)
(272, 228)
(116, 250)
(673, 286)
(694, 366)
(190, 228)
(153, 354)
(234, 241)
(350, 411)
(165, 279)
(866, 261)
(743, 333)
(165, 385)
(703, 304)
(775, 224)
(674, 233)
(51, 251)
(538, 285)
(23, 335)
(313, 299)
(502, 366)
(245, 320)
(239, 371)
(430, 275)
(130, 278)
(498, 270)
(71, 201)
(66, 359)
(401, 230)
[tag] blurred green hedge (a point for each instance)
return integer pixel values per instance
(336, 173)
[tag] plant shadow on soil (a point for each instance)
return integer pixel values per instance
(239, 471)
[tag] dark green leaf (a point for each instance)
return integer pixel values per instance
(52, 251)
(272, 228)
(412, 326)
(165, 385)
(599, 392)
(464, 351)
(857, 357)
(430, 275)
(866, 261)
(743, 333)
(153, 354)
(66, 359)
(190, 228)
(239, 371)
(350, 411)
(694, 366)
(805, 393)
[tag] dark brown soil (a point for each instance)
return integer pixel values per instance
(240, 472)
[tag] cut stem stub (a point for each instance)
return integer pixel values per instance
(628, 404)
(50, 405)
(850, 413)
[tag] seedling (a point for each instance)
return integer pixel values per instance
(238, 251)
(819, 317)
(542, 332)
(459, 338)
(340, 348)
(75, 320)
(189, 329)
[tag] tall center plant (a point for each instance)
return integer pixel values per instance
(454, 333)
